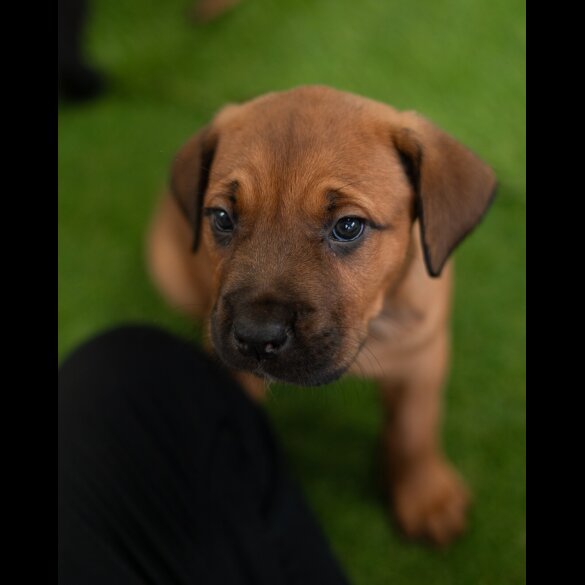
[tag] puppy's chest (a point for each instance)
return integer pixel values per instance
(394, 322)
(392, 335)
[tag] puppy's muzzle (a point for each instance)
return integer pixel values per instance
(280, 337)
(263, 330)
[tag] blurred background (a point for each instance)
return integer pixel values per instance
(461, 63)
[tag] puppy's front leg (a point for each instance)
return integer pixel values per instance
(429, 498)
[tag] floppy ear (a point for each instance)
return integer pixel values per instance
(453, 187)
(190, 176)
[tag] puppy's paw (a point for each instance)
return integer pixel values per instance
(431, 502)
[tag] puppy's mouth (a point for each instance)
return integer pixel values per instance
(306, 377)
(281, 354)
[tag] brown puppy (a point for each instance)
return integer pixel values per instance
(313, 229)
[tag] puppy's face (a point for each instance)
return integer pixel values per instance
(306, 204)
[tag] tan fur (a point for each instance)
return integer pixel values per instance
(205, 11)
(287, 151)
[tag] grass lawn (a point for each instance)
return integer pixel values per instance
(460, 63)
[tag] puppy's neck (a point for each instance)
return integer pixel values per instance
(410, 301)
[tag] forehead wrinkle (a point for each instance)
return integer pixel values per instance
(308, 180)
(284, 172)
(289, 163)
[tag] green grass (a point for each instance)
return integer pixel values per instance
(461, 64)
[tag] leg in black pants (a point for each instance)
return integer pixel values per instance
(168, 473)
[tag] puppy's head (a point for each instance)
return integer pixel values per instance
(305, 201)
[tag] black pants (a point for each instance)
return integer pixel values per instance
(168, 473)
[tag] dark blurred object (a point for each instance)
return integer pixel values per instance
(207, 10)
(168, 473)
(77, 80)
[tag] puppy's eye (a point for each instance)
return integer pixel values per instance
(348, 229)
(222, 221)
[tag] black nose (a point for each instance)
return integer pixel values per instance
(262, 331)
